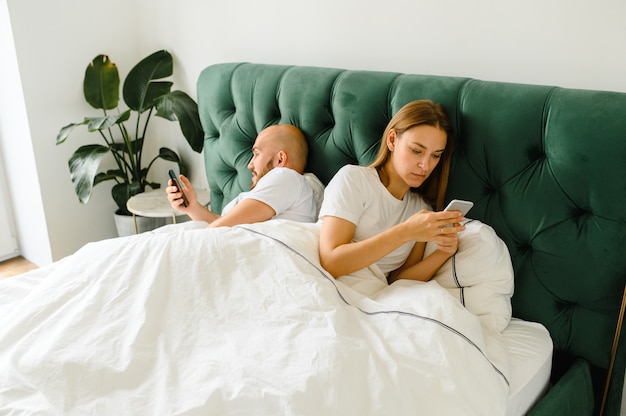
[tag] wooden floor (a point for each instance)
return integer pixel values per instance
(15, 266)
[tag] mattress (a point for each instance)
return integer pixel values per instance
(530, 353)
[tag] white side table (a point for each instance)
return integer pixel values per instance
(154, 204)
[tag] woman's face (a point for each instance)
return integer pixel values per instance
(416, 153)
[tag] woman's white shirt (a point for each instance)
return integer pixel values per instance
(356, 194)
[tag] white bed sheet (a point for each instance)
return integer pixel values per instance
(361, 356)
(530, 357)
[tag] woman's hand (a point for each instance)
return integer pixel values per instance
(441, 227)
(448, 244)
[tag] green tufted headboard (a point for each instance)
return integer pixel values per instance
(545, 166)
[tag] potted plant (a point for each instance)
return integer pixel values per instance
(124, 132)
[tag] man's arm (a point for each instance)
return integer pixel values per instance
(194, 209)
(247, 211)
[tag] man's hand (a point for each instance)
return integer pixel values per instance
(175, 195)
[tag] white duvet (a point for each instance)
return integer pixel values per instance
(235, 321)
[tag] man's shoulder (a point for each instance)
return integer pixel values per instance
(280, 174)
(285, 171)
(279, 177)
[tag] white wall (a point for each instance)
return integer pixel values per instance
(16, 150)
(8, 236)
(54, 42)
(570, 43)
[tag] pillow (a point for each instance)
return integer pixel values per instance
(318, 190)
(479, 275)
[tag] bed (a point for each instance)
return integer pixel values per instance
(244, 320)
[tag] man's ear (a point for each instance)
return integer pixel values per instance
(281, 157)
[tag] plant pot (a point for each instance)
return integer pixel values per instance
(125, 224)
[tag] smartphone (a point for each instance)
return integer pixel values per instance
(459, 205)
(177, 183)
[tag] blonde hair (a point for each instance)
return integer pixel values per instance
(420, 113)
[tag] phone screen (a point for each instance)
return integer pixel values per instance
(459, 205)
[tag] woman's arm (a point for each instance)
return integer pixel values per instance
(340, 256)
(417, 267)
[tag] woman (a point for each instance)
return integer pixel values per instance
(377, 219)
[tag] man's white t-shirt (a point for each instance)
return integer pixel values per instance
(286, 191)
(356, 194)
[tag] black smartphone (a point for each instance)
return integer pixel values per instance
(180, 188)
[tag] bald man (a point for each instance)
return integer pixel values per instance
(278, 189)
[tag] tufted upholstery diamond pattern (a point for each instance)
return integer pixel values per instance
(342, 113)
(545, 166)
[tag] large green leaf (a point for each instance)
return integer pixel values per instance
(165, 154)
(101, 85)
(177, 105)
(66, 130)
(84, 165)
(122, 192)
(140, 90)
(111, 174)
(102, 123)
(169, 155)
